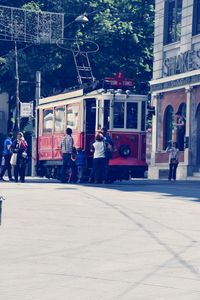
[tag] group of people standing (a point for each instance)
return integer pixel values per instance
(74, 160)
(14, 157)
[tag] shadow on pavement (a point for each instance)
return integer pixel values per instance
(183, 189)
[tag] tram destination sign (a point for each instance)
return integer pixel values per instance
(181, 82)
(119, 81)
(183, 62)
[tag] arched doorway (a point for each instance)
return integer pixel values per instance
(168, 125)
(198, 134)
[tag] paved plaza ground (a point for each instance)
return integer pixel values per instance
(127, 241)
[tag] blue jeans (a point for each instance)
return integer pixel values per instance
(7, 167)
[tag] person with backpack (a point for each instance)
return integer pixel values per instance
(6, 158)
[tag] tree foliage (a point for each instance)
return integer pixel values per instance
(122, 29)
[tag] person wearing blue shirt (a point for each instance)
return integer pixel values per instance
(7, 156)
(81, 164)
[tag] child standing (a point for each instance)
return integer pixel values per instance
(80, 163)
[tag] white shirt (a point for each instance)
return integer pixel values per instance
(99, 149)
(173, 153)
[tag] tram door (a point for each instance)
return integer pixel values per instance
(90, 124)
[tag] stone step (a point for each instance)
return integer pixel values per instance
(195, 178)
(196, 174)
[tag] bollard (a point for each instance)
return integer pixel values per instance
(1, 201)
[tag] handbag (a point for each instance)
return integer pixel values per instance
(13, 160)
(174, 161)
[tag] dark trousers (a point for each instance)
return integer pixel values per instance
(80, 173)
(172, 171)
(98, 171)
(73, 172)
(20, 169)
(180, 139)
(66, 157)
(6, 167)
(107, 170)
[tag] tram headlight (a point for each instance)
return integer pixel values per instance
(125, 151)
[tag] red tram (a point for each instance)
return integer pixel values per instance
(123, 114)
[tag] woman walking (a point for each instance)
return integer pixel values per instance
(20, 148)
(173, 160)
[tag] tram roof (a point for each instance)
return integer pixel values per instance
(74, 94)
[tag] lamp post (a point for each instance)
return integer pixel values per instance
(17, 117)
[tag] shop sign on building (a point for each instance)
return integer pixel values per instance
(184, 62)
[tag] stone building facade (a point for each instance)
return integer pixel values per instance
(175, 85)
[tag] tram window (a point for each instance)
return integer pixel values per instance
(118, 121)
(59, 115)
(106, 121)
(132, 115)
(143, 118)
(47, 120)
(90, 115)
(72, 117)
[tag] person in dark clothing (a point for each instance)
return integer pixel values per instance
(7, 156)
(180, 125)
(67, 149)
(173, 151)
(109, 145)
(20, 146)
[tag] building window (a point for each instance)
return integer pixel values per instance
(196, 17)
(173, 16)
(168, 125)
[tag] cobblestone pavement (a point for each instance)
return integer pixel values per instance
(127, 241)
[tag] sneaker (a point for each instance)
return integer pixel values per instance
(2, 179)
(11, 179)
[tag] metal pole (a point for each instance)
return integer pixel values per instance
(34, 136)
(17, 118)
(38, 88)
